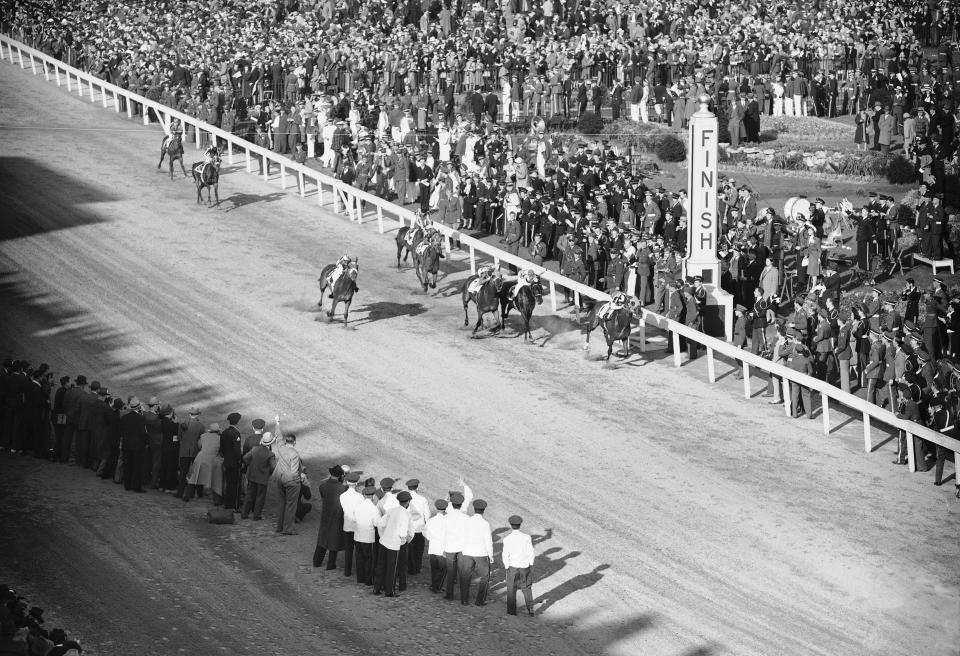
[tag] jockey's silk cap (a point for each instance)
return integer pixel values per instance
(456, 498)
(479, 505)
(386, 482)
(515, 520)
(404, 496)
(258, 424)
(413, 484)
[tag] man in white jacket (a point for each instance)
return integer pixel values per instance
(349, 501)
(365, 517)
(477, 555)
(395, 532)
(435, 532)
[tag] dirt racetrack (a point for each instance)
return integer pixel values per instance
(675, 517)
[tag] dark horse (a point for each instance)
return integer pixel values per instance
(403, 248)
(207, 174)
(426, 261)
(487, 299)
(616, 327)
(529, 297)
(343, 289)
(172, 146)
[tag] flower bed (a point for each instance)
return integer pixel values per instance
(867, 165)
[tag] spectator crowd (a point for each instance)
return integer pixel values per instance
(24, 632)
(454, 108)
(383, 529)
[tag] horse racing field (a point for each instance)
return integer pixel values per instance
(672, 517)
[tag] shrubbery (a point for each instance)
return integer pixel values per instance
(590, 124)
(901, 171)
(670, 148)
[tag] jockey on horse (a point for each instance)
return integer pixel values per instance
(176, 129)
(419, 228)
(618, 301)
(484, 274)
(525, 278)
(342, 265)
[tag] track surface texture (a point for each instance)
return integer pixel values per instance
(674, 517)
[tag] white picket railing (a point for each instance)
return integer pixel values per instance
(347, 199)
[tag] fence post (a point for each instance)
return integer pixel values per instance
(825, 411)
(283, 176)
(247, 152)
(230, 152)
(553, 287)
(266, 168)
(146, 114)
(79, 86)
(786, 396)
(380, 219)
(711, 368)
(642, 333)
(576, 300)
(336, 200)
(129, 105)
(867, 444)
(302, 183)
(33, 64)
(911, 454)
(197, 137)
(746, 380)
(46, 72)
(447, 244)
(319, 191)
(676, 349)
(473, 271)
(20, 55)
(69, 87)
(93, 98)
(116, 102)
(56, 71)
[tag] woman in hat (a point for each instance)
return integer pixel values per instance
(207, 469)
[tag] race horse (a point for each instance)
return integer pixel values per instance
(207, 174)
(172, 147)
(406, 248)
(486, 298)
(616, 327)
(341, 291)
(426, 261)
(529, 297)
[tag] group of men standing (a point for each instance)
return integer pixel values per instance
(384, 530)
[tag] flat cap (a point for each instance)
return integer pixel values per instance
(441, 504)
(479, 505)
(515, 520)
(353, 477)
(404, 496)
(369, 491)
(456, 498)
(386, 482)
(258, 424)
(413, 484)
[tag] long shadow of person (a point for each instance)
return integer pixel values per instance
(578, 582)
(543, 567)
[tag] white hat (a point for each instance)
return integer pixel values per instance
(267, 439)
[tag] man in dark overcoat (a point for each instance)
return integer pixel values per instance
(330, 536)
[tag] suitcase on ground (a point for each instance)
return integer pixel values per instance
(220, 516)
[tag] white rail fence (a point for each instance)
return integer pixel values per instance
(361, 206)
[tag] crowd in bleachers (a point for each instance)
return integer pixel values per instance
(453, 107)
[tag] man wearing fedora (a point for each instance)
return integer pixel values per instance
(190, 432)
(71, 408)
(260, 462)
(133, 442)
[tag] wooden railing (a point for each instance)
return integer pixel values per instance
(349, 200)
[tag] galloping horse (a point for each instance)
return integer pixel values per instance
(527, 299)
(426, 261)
(616, 327)
(343, 289)
(487, 299)
(404, 248)
(172, 146)
(207, 174)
